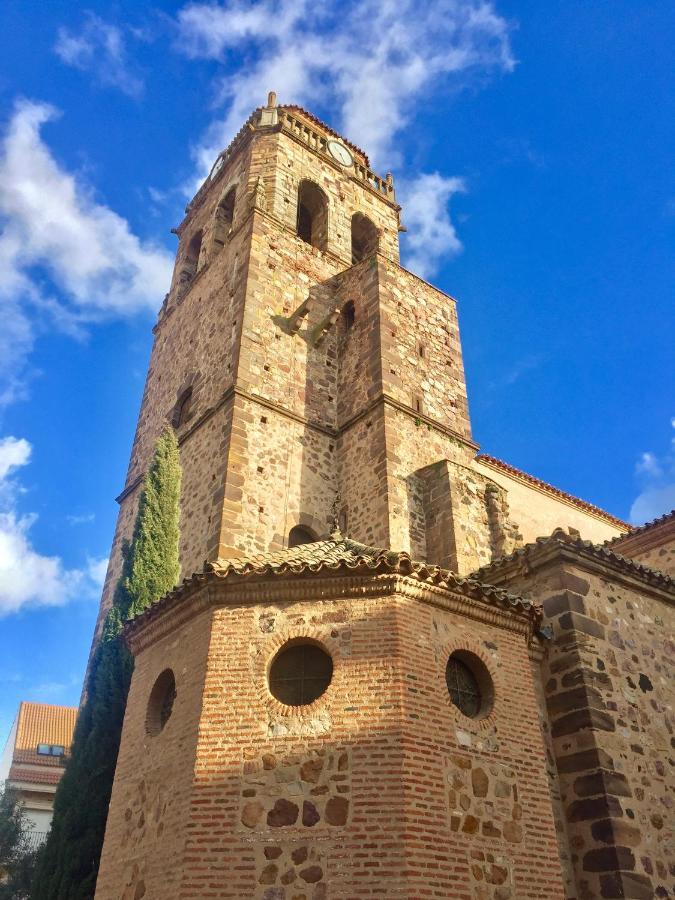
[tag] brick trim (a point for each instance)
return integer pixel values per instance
(267, 651)
(478, 723)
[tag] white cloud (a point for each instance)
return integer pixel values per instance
(65, 259)
(27, 577)
(656, 474)
(100, 48)
(648, 465)
(431, 233)
(82, 519)
(14, 453)
(372, 62)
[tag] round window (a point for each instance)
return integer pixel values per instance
(469, 684)
(160, 704)
(300, 673)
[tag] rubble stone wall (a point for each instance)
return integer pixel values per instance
(608, 680)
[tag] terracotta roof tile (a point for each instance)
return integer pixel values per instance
(339, 556)
(26, 774)
(562, 538)
(550, 489)
(643, 529)
(43, 723)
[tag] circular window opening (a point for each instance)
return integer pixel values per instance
(160, 705)
(300, 673)
(469, 684)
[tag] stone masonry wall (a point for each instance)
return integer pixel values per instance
(653, 547)
(145, 832)
(421, 351)
(539, 513)
(609, 681)
(380, 788)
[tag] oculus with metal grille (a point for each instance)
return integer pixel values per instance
(469, 684)
(300, 673)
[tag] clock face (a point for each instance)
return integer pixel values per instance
(340, 153)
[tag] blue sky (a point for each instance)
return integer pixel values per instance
(532, 148)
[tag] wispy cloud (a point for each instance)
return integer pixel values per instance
(65, 259)
(27, 577)
(371, 63)
(431, 233)
(516, 370)
(656, 475)
(100, 48)
(83, 519)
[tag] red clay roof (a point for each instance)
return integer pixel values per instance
(43, 723)
(554, 491)
(32, 776)
(654, 525)
(560, 539)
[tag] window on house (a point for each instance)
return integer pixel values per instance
(161, 702)
(51, 749)
(300, 534)
(300, 673)
(312, 219)
(365, 239)
(183, 408)
(469, 684)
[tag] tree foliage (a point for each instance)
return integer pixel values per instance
(17, 858)
(68, 864)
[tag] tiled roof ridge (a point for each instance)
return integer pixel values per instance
(638, 530)
(599, 551)
(34, 776)
(317, 121)
(329, 556)
(551, 489)
(48, 705)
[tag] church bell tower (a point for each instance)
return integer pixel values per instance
(311, 717)
(313, 382)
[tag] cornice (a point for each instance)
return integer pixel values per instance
(593, 558)
(646, 537)
(209, 591)
(546, 488)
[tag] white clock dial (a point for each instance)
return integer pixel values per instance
(340, 153)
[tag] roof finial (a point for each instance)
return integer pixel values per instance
(272, 98)
(336, 533)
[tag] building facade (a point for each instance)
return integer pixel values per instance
(368, 684)
(32, 763)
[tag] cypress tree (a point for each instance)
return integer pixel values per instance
(69, 860)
